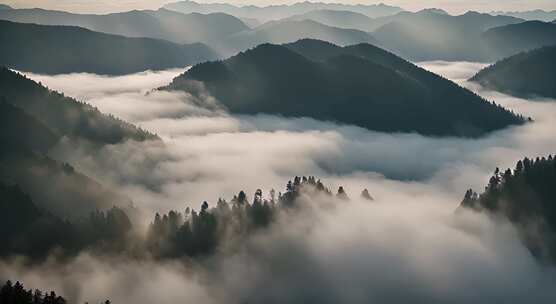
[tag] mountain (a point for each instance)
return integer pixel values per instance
(159, 24)
(526, 196)
(527, 74)
(428, 35)
(512, 39)
(276, 12)
(360, 85)
(32, 120)
(289, 31)
(68, 49)
(5, 7)
(341, 19)
(63, 115)
(538, 14)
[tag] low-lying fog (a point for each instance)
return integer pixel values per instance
(408, 245)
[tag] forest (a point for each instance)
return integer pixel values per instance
(526, 196)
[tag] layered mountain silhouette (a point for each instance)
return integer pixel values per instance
(286, 31)
(525, 196)
(527, 74)
(275, 12)
(430, 35)
(341, 19)
(538, 14)
(360, 84)
(159, 24)
(63, 115)
(511, 39)
(32, 120)
(68, 49)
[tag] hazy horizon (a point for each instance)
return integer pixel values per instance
(451, 6)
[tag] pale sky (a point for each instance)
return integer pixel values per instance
(452, 6)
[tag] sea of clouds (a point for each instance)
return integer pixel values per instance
(407, 245)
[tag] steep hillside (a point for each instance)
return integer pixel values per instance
(360, 85)
(65, 116)
(68, 49)
(527, 74)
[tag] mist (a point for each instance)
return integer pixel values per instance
(408, 244)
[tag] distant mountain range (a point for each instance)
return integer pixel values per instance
(512, 39)
(429, 35)
(341, 19)
(527, 74)
(32, 120)
(68, 49)
(541, 15)
(359, 84)
(159, 24)
(276, 12)
(285, 31)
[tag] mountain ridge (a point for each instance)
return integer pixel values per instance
(350, 85)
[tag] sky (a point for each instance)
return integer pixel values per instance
(452, 6)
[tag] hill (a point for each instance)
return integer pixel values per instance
(527, 74)
(68, 49)
(341, 19)
(5, 7)
(63, 115)
(32, 120)
(275, 12)
(285, 31)
(429, 35)
(360, 85)
(527, 197)
(159, 24)
(511, 39)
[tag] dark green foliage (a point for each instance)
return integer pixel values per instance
(360, 85)
(64, 49)
(32, 232)
(17, 128)
(202, 233)
(504, 41)
(527, 197)
(64, 115)
(16, 294)
(527, 74)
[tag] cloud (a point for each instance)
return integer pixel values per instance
(408, 245)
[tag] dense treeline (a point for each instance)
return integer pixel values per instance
(30, 231)
(360, 85)
(527, 74)
(525, 195)
(35, 233)
(65, 49)
(197, 233)
(17, 294)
